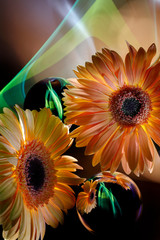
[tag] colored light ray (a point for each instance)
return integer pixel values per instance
(88, 26)
(107, 199)
(52, 100)
(73, 42)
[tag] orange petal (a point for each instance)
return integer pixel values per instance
(66, 163)
(7, 188)
(121, 78)
(79, 75)
(84, 73)
(13, 117)
(57, 132)
(132, 52)
(60, 147)
(125, 165)
(57, 201)
(151, 77)
(100, 139)
(149, 165)
(119, 67)
(139, 64)
(72, 83)
(97, 157)
(86, 95)
(117, 158)
(55, 211)
(86, 186)
(132, 151)
(106, 60)
(89, 118)
(94, 184)
(117, 61)
(42, 224)
(13, 232)
(53, 124)
(143, 141)
(49, 217)
(82, 201)
(17, 207)
(94, 72)
(102, 88)
(140, 166)
(90, 130)
(105, 72)
(154, 92)
(30, 124)
(23, 122)
(154, 132)
(42, 122)
(13, 126)
(112, 152)
(10, 137)
(35, 230)
(129, 71)
(151, 52)
(155, 122)
(68, 178)
(108, 54)
(65, 195)
(25, 224)
(80, 142)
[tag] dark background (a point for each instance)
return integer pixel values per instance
(24, 28)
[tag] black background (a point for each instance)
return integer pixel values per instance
(24, 27)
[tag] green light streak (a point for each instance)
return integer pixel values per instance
(105, 198)
(53, 101)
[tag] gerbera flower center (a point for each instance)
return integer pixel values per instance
(92, 196)
(35, 174)
(130, 106)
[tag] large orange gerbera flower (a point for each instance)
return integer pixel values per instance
(117, 104)
(34, 177)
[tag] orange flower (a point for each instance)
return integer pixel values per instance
(86, 200)
(34, 177)
(116, 105)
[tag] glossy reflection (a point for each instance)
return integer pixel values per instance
(46, 93)
(108, 200)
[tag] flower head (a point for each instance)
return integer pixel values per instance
(34, 177)
(116, 103)
(86, 199)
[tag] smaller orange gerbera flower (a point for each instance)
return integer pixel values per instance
(104, 201)
(86, 200)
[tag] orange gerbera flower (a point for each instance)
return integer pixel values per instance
(86, 200)
(116, 104)
(34, 177)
